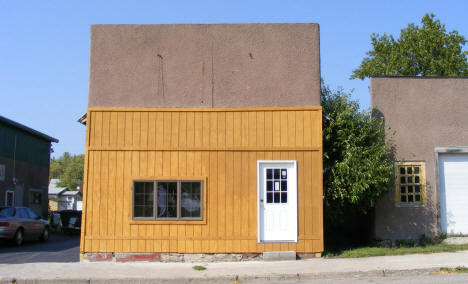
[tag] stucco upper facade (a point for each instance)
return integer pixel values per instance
(212, 65)
(422, 113)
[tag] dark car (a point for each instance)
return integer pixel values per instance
(20, 223)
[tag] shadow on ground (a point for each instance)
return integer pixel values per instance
(59, 248)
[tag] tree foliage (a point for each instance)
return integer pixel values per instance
(419, 51)
(357, 163)
(69, 169)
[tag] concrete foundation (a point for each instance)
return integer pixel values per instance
(170, 257)
(456, 240)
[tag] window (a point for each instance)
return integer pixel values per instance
(167, 200)
(410, 183)
(35, 197)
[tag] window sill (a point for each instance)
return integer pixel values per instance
(410, 205)
(167, 222)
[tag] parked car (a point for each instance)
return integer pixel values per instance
(20, 223)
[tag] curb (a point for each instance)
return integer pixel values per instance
(228, 279)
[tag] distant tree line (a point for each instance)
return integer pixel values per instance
(69, 169)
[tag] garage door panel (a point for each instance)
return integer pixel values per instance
(453, 178)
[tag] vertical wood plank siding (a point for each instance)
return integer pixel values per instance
(219, 144)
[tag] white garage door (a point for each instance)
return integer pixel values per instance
(453, 178)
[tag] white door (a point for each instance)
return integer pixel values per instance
(277, 201)
(453, 178)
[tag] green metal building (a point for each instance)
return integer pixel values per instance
(24, 166)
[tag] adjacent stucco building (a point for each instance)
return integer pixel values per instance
(203, 139)
(24, 166)
(428, 119)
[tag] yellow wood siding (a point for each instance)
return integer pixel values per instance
(219, 144)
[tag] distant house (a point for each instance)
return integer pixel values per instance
(24, 166)
(428, 117)
(61, 198)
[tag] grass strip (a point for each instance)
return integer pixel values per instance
(382, 251)
(458, 269)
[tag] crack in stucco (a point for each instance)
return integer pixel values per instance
(161, 75)
(212, 78)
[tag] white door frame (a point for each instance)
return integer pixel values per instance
(259, 197)
(440, 199)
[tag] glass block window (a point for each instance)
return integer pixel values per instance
(167, 200)
(276, 186)
(410, 183)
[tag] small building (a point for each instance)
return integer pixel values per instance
(61, 198)
(24, 166)
(428, 126)
(203, 139)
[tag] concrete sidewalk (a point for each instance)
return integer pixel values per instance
(227, 272)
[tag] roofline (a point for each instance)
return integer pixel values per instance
(209, 24)
(421, 77)
(28, 129)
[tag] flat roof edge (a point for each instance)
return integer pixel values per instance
(208, 24)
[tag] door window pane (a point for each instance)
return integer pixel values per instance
(277, 198)
(277, 174)
(284, 185)
(284, 197)
(270, 197)
(269, 185)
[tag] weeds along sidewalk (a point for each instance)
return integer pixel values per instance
(184, 272)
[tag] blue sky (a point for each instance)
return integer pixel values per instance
(44, 45)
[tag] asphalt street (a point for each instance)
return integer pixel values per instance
(59, 248)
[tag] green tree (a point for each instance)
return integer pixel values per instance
(419, 51)
(356, 158)
(69, 169)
